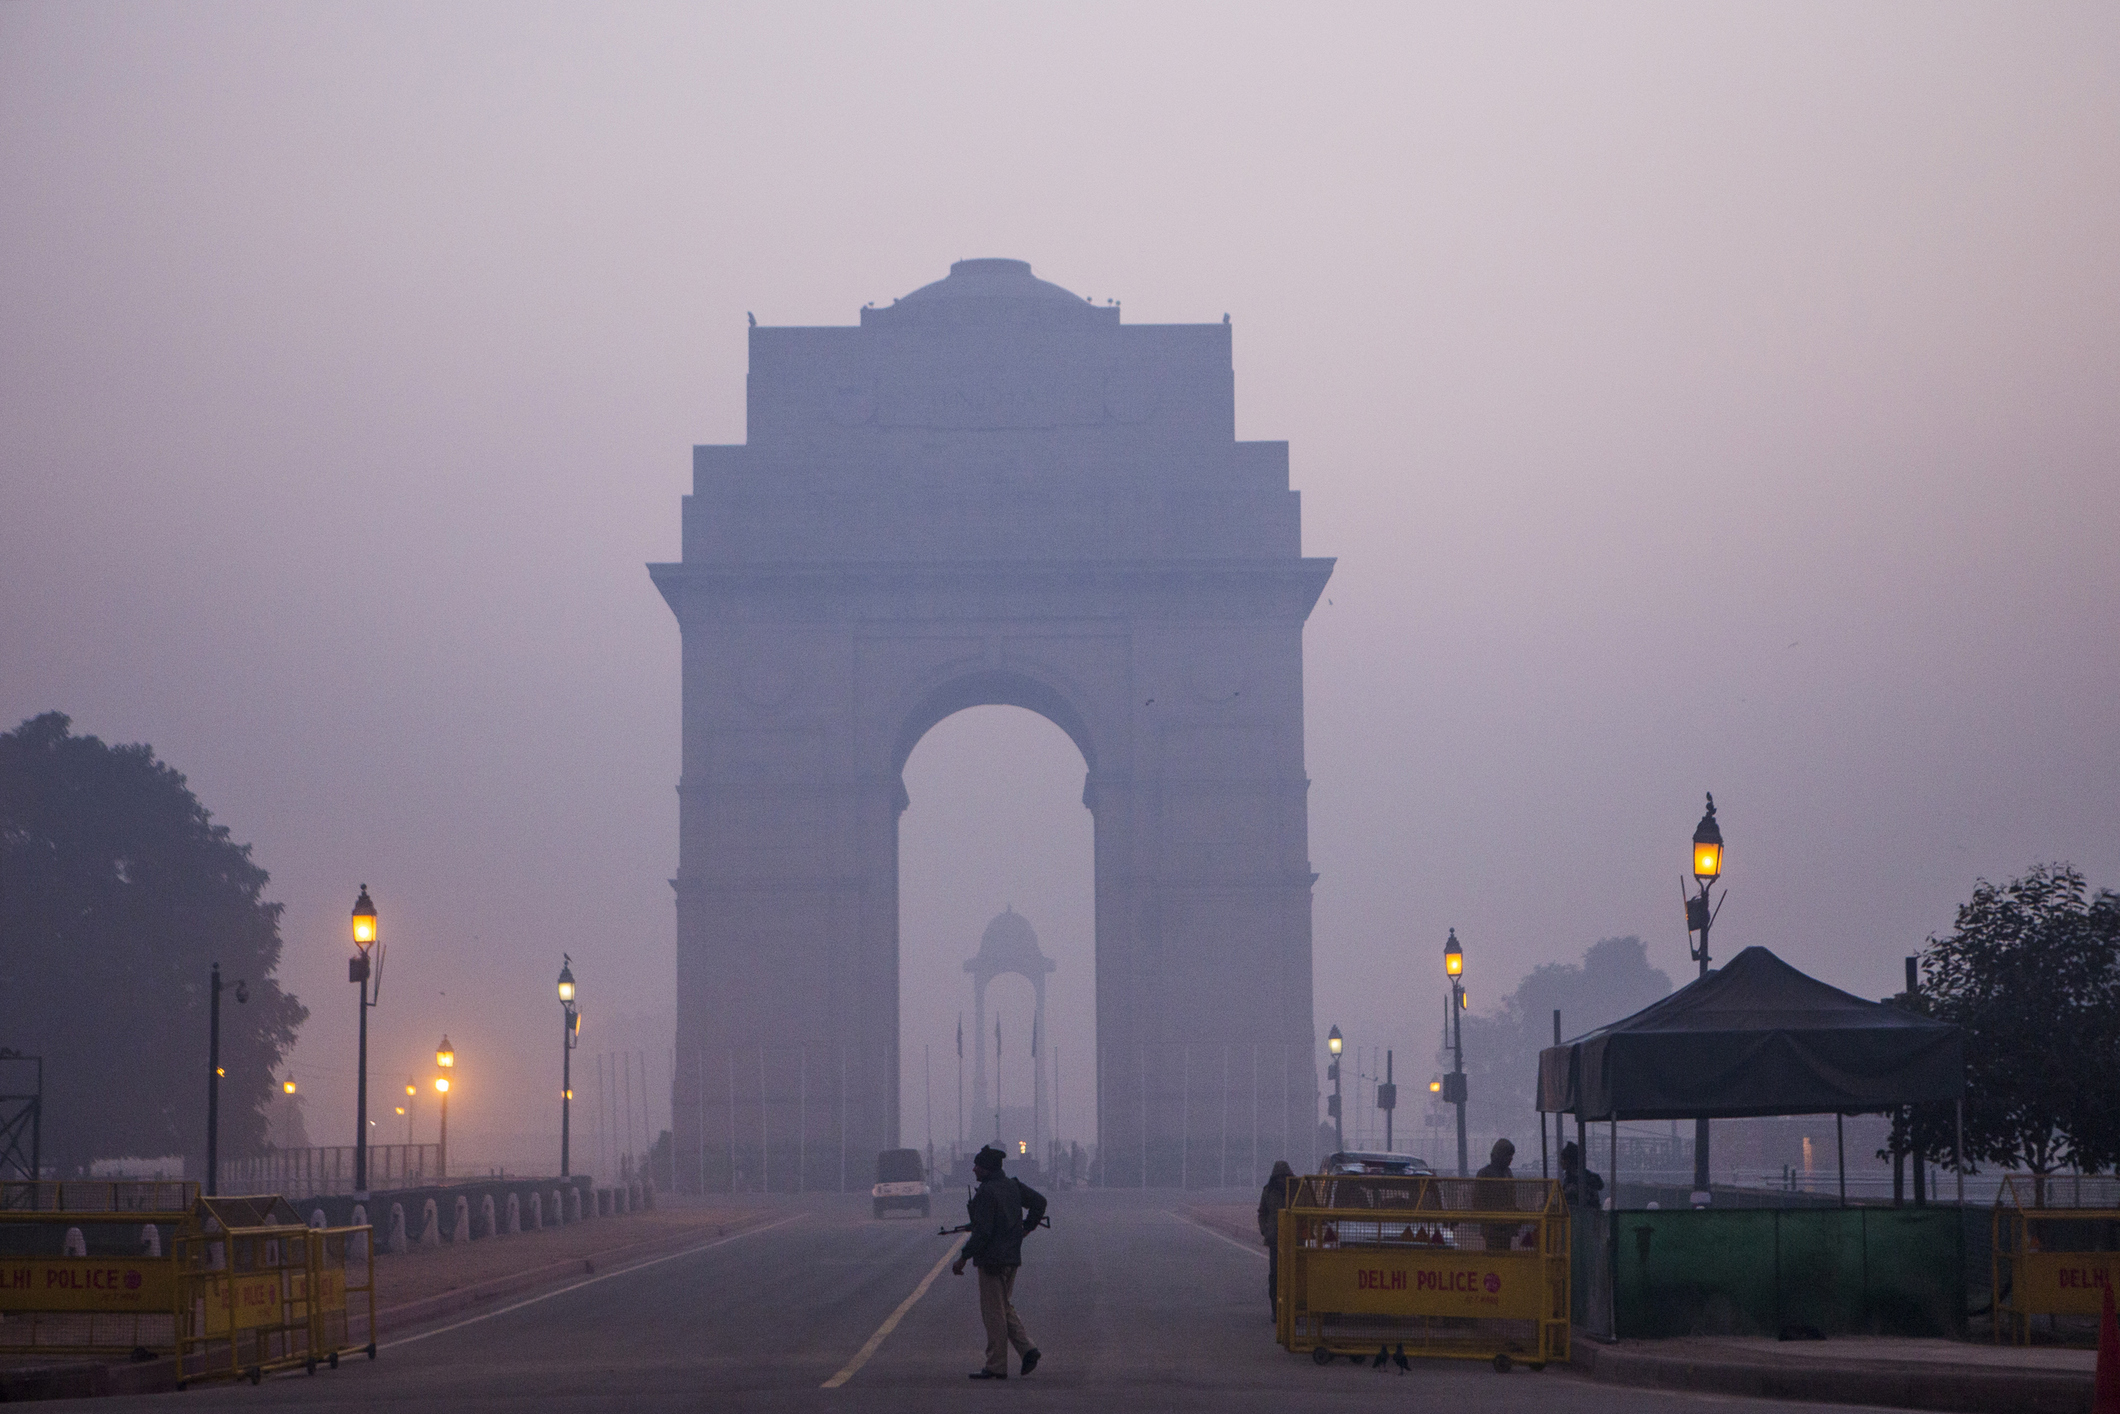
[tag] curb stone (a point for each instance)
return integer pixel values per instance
(1955, 1389)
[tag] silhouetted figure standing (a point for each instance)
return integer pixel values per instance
(1272, 1199)
(1581, 1187)
(1500, 1236)
(1001, 1211)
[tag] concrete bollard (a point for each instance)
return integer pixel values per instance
(395, 1243)
(574, 1204)
(515, 1214)
(462, 1230)
(317, 1219)
(486, 1224)
(537, 1212)
(647, 1195)
(150, 1240)
(357, 1245)
(430, 1225)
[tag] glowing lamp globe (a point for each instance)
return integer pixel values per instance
(363, 920)
(1707, 846)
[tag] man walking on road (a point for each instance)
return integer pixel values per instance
(1001, 1211)
(1272, 1198)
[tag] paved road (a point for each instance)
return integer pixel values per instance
(1134, 1306)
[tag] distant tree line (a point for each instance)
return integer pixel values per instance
(117, 894)
(1613, 980)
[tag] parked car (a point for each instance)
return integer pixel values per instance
(1364, 1161)
(901, 1182)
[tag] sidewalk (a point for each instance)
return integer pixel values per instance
(1973, 1376)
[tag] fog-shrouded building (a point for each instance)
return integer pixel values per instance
(991, 491)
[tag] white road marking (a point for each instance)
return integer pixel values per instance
(1259, 1252)
(861, 1356)
(577, 1286)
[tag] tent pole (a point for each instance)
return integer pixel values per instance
(1840, 1146)
(1559, 1134)
(1958, 1152)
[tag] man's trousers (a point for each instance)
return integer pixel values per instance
(998, 1310)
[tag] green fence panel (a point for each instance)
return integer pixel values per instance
(1760, 1272)
(1917, 1271)
(1696, 1273)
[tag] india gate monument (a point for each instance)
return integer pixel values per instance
(991, 491)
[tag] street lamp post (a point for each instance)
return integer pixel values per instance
(1334, 1042)
(1707, 868)
(213, 1078)
(358, 972)
(1454, 1083)
(571, 1026)
(445, 1057)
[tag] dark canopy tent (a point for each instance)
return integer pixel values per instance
(1755, 1037)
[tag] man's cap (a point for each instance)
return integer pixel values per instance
(988, 1158)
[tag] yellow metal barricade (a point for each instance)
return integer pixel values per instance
(342, 1274)
(1464, 1268)
(2051, 1256)
(257, 1291)
(116, 1297)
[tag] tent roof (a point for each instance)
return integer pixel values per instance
(1755, 1037)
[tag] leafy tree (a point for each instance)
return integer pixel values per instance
(117, 894)
(2032, 973)
(1613, 980)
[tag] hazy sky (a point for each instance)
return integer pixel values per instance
(1696, 397)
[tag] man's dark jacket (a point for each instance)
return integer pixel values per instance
(1001, 1211)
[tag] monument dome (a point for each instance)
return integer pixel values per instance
(991, 285)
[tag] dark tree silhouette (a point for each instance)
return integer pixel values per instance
(2032, 972)
(117, 894)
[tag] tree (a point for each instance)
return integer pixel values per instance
(117, 894)
(1614, 980)
(2032, 974)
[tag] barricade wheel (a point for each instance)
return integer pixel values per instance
(1501, 1364)
(1321, 1356)
(1537, 1365)
(334, 1359)
(371, 1350)
(257, 1374)
(310, 1368)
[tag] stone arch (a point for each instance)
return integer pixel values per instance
(990, 493)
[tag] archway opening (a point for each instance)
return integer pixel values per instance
(996, 824)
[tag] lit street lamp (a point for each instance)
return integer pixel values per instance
(1707, 868)
(1454, 1083)
(213, 1077)
(358, 971)
(445, 1057)
(1334, 1043)
(571, 1028)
